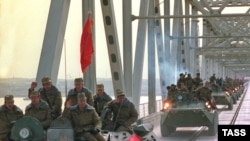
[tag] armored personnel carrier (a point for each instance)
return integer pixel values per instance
(223, 97)
(186, 113)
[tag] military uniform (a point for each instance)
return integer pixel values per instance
(8, 118)
(101, 100)
(72, 94)
(52, 96)
(41, 112)
(182, 79)
(189, 82)
(86, 123)
(124, 114)
(197, 80)
(204, 93)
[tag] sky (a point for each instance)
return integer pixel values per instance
(22, 30)
(22, 27)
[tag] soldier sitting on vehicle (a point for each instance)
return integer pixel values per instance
(124, 114)
(84, 118)
(79, 87)
(204, 93)
(183, 91)
(9, 114)
(197, 80)
(101, 99)
(39, 109)
(215, 87)
(51, 95)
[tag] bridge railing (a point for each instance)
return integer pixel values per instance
(143, 108)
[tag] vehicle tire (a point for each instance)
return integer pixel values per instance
(213, 127)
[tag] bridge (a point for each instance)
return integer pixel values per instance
(206, 36)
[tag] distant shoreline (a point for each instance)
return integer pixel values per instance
(19, 86)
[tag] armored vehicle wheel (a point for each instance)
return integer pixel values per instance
(213, 127)
(230, 105)
(167, 130)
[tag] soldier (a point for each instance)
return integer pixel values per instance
(184, 92)
(51, 95)
(9, 114)
(79, 88)
(212, 79)
(197, 80)
(189, 82)
(85, 120)
(213, 83)
(39, 109)
(101, 99)
(124, 113)
(204, 93)
(169, 96)
(182, 79)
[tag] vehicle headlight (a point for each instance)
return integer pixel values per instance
(24, 133)
(166, 106)
(208, 105)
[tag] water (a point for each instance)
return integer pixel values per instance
(19, 88)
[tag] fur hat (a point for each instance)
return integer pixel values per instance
(9, 98)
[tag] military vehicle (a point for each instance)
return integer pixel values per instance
(182, 112)
(30, 129)
(27, 129)
(223, 97)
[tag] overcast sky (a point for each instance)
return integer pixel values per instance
(22, 26)
(21, 36)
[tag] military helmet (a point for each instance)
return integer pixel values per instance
(9, 98)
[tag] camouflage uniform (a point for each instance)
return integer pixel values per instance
(101, 100)
(86, 123)
(72, 94)
(42, 113)
(124, 114)
(8, 117)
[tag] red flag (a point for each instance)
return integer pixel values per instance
(86, 47)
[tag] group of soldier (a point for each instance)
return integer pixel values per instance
(195, 89)
(191, 88)
(81, 107)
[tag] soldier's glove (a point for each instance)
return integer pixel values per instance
(94, 131)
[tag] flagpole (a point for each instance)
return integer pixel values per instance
(65, 67)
